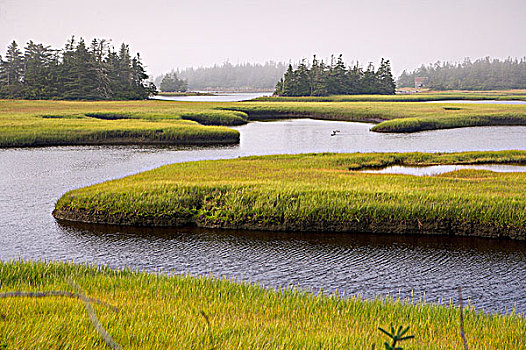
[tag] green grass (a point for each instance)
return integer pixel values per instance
(391, 116)
(47, 123)
(161, 312)
(315, 192)
(506, 95)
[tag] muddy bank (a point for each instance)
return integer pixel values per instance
(123, 141)
(369, 225)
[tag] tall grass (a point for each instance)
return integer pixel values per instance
(45, 123)
(166, 312)
(391, 116)
(315, 192)
(507, 95)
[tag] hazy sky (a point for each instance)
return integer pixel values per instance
(180, 33)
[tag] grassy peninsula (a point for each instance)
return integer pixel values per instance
(181, 312)
(503, 95)
(391, 116)
(51, 123)
(315, 192)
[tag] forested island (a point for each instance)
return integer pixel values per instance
(321, 79)
(77, 72)
(483, 74)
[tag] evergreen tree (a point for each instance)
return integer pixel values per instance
(77, 72)
(171, 83)
(318, 78)
(99, 65)
(289, 81)
(369, 82)
(140, 89)
(12, 71)
(482, 74)
(386, 84)
(337, 83)
(40, 71)
(354, 75)
(14, 66)
(302, 81)
(80, 80)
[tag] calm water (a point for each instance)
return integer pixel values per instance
(217, 97)
(490, 271)
(498, 102)
(441, 169)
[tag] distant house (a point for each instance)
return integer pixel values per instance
(421, 82)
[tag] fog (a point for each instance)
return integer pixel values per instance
(178, 34)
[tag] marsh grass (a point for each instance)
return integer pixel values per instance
(390, 116)
(315, 192)
(506, 95)
(47, 123)
(50, 123)
(166, 312)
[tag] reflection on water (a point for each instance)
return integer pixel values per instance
(216, 97)
(441, 169)
(370, 265)
(32, 180)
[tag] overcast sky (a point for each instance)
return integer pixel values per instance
(181, 33)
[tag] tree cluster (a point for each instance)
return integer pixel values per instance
(483, 74)
(320, 79)
(245, 76)
(77, 72)
(171, 83)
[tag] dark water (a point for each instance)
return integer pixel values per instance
(491, 271)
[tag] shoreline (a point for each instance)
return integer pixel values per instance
(314, 193)
(414, 227)
(211, 312)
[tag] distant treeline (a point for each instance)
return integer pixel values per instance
(320, 79)
(170, 82)
(483, 74)
(77, 72)
(244, 76)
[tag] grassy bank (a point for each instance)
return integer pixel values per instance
(315, 192)
(188, 93)
(47, 123)
(160, 312)
(391, 116)
(507, 95)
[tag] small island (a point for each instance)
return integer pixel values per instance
(315, 192)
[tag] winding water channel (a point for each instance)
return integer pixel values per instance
(491, 272)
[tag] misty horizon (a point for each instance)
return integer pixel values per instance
(183, 34)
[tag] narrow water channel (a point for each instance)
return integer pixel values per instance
(490, 271)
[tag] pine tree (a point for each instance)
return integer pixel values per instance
(98, 52)
(369, 82)
(386, 84)
(337, 78)
(318, 78)
(40, 72)
(171, 83)
(289, 81)
(79, 74)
